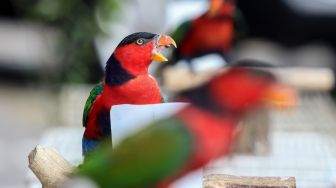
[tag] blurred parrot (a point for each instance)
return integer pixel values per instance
(213, 32)
(126, 82)
(170, 148)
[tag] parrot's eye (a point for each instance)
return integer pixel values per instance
(140, 42)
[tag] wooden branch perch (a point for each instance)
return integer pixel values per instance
(229, 181)
(49, 166)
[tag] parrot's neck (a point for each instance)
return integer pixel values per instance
(201, 99)
(193, 113)
(120, 69)
(115, 74)
(133, 60)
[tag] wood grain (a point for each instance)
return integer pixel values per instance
(49, 167)
(229, 181)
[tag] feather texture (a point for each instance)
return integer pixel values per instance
(95, 92)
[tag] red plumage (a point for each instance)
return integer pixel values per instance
(126, 82)
(141, 90)
(203, 131)
(209, 33)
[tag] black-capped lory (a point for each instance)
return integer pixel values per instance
(213, 32)
(169, 149)
(126, 82)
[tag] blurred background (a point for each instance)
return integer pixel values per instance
(51, 52)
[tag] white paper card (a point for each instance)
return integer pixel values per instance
(127, 119)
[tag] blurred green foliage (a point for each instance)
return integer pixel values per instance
(78, 20)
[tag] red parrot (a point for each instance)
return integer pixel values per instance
(126, 82)
(169, 149)
(213, 32)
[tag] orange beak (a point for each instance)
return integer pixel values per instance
(214, 6)
(162, 41)
(281, 96)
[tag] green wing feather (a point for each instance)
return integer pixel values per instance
(240, 25)
(141, 160)
(181, 31)
(97, 90)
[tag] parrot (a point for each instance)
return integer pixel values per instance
(126, 82)
(214, 31)
(202, 131)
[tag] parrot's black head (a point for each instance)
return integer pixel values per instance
(133, 56)
(140, 49)
(132, 38)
